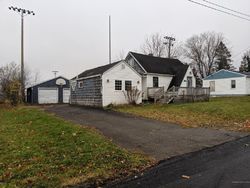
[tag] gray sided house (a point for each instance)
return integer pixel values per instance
(105, 85)
(53, 91)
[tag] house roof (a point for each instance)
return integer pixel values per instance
(97, 70)
(225, 74)
(37, 84)
(161, 65)
(245, 73)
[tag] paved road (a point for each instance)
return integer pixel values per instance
(157, 139)
(224, 166)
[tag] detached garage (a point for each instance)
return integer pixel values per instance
(49, 92)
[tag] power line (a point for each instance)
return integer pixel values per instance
(238, 12)
(241, 52)
(225, 12)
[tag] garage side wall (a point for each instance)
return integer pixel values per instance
(89, 95)
(121, 72)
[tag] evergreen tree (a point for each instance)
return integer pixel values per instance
(223, 58)
(245, 63)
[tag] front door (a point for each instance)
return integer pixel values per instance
(189, 81)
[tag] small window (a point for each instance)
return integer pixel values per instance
(212, 86)
(118, 85)
(233, 84)
(155, 82)
(128, 85)
(80, 84)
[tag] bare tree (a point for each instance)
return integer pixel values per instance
(201, 49)
(154, 44)
(10, 81)
(121, 55)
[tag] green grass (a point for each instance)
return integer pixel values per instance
(40, 150)
(231, 113)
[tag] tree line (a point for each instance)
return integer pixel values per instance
(206, 53)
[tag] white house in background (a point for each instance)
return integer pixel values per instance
(225, 82)
(106, 85)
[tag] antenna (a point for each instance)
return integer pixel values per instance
(109, 39)
(55, 72)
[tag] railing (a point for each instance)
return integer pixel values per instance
(189, 94)
(178, 94)
(154, 90)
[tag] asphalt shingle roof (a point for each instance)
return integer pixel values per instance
(161, 65)
(97, 70)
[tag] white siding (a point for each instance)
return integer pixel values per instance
(164, 80)
(248, 86)
(122, 72)
(188, 73)
(66, 95)
(144, 88)
(223, 86)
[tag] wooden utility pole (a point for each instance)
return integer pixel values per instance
(169, 43)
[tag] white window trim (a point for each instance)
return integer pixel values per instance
(79, 83)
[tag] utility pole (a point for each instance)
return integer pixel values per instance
(55, 72)
(169, 43)
(109, 39)
(22, 13)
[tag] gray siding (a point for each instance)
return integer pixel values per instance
(90, 94)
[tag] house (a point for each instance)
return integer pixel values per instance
(225, 82)
(151, 76)
(160, 73)
(105, 85)
(56, 90)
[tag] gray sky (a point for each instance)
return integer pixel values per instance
(72, 35)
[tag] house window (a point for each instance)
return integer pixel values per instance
(155, 82)
(128, 85)
(212, 86)
(233, 84)
(189, 81)
(80, 84)
(118, 85)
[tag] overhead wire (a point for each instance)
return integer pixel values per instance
(215, 4)
(222, 11)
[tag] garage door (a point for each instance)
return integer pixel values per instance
(66, 94)
(47, 95)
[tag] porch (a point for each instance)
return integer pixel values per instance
(178, 94)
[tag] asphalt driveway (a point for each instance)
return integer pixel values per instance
(223, 166)
(157, 139)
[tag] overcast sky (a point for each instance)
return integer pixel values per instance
(72, 35)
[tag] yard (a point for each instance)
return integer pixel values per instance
(41, 150)
(230, 113)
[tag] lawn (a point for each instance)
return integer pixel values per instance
(231, 113)
(40, 150)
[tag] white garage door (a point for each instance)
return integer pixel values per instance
(66, 94)
(47, 95)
